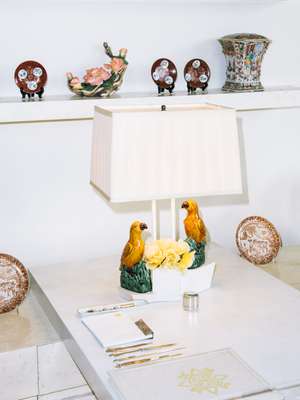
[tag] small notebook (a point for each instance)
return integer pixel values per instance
(117, 329)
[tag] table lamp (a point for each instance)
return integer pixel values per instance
(165, 152)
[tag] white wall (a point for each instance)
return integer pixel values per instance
(67, 35)
(48, 211)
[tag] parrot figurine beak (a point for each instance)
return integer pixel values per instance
(185, 204)
(143, 226)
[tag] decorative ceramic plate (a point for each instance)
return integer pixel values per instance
(14, 283)
(164, 73)
(258, 240)
(197, 74)
(31, 77)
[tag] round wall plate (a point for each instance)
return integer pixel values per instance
(164, 73)
(258, 240)
(197, 74)
(14, 283)
(31, 77)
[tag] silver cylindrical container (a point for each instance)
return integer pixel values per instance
(190, 301)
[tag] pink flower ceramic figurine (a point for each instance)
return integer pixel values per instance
(74, 81)
(104, 73)
(123, 53)
(101, 81)
(96, 76)
(107, 67)
(117, 64)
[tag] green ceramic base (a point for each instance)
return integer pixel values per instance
(199, 252)
(137, 279)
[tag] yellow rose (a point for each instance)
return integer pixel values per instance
(186, 261)
(153, 255)
(183, 246)
(172, 257)
(168, 253)
(151, 248)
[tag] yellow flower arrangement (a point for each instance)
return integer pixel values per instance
(168, 253)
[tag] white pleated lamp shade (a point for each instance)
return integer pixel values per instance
(144, 153)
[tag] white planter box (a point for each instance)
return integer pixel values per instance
(169, 285)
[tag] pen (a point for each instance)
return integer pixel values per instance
(101, 309)
(135, 357)
(146, 360)
(141, 349)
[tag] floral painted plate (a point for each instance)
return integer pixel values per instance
(164, 74)
(196, 74)
(14, 283)
(258, 240)
(31, 78)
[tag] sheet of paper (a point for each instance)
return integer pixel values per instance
(218, 375)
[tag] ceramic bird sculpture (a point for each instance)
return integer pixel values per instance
(134, 250)
(193, 223)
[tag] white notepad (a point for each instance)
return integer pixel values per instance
(115, 329)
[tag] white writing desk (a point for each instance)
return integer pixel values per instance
(246, 309)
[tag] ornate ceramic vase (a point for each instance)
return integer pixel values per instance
(244, 53)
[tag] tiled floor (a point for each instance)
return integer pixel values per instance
(30, 367)
(18, 374)
(56, 369)
(80, 393)
(41, 373)
(27, 328)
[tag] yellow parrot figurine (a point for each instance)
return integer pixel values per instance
(193, 223)
(134, 250)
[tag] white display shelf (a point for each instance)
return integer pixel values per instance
(57, 108)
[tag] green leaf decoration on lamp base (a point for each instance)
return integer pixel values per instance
(137, 279)
(199, 249)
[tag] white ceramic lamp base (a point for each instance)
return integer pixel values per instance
(169, 285)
